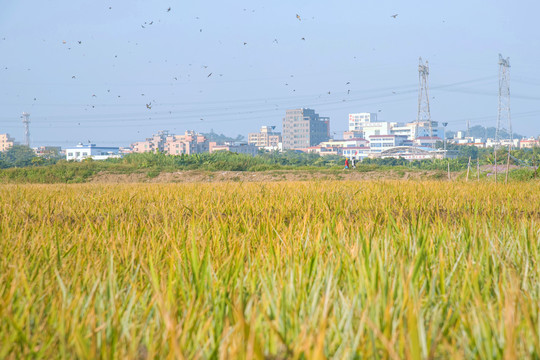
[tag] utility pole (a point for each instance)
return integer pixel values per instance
(26, 121)
(424, 114)
(504, 98)
(468, 129)
(444, 124)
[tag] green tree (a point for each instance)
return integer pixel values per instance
(17, 156)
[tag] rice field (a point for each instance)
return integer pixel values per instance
(300, 270)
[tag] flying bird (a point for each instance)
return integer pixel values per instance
(275, 40)
(245, 43)
(73, 77)
(93, 95)
(149, 106)
(394, 16)
(329, 93)
(298, 17)
(304, 39)
(209, 75)
(80, 42)
(348, 82)
(348, 92)
(169, 9)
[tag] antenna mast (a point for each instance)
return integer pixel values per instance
(26, 121)
(504, 97)
(424, 114)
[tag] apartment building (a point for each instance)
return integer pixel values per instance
(358, 121)
(156, 143)
(6, 142)
(189, 143)
(303, 128)
(267, 137)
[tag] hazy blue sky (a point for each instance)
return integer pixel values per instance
(252, 84)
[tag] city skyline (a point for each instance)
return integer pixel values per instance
(235, 67)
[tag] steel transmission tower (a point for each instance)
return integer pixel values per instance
(26, 121)
(504, 97)
(424, 114)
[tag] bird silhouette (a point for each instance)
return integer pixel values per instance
(298, 17)
(348, 82)
(80, 42)
(149, 106)
(245, 43)
(73, 77)
(169, 9)
(275, 40)
(394, 16)
(304, 39)
(209, 75)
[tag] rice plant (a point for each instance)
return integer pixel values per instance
(301, 270)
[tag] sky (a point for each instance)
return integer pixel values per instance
(117, 71)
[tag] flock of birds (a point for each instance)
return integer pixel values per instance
(168, 10)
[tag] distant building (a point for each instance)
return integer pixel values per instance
(529, 143)
(303, 128)
(358, 121)
(426, 141)
(189, 143)
(379, 143)
(235, 147)
(413, 153)
(357, 152)
(6, 142)
(266, 138)
(154, 144)
(47, 151)
(415, 130)
(85, 151)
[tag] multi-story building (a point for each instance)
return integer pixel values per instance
(154, 144)
(189, 143)
(266, 138)
(84, 151)
(529, 143)
(303, 128)
(380, 143)
(6, 142)
(426, 141)
(415, 130)
(358, 120)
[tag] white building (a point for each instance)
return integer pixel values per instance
(379, 143)
(84, 151)
(415, 130)
(356, 152)
(358, 120)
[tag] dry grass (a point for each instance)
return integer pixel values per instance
(270, 270)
